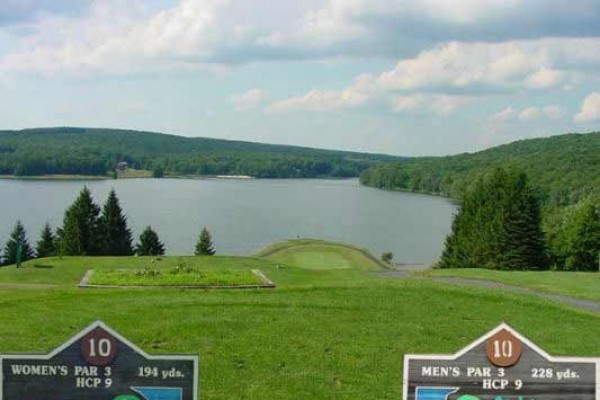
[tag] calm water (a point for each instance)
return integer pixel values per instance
(247, 215)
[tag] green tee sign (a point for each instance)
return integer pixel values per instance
(98, 364)
(501, 365)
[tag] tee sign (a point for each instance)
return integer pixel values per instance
(98, 364)
(501, 365)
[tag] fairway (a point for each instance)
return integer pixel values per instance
(322, 334)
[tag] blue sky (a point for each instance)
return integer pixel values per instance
(428, 77)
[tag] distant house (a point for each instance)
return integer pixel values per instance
(122, 166)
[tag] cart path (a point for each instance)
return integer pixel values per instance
(587, 305)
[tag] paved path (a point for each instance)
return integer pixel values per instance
(587, 305)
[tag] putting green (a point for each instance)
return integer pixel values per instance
(318, 255)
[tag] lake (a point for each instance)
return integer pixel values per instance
(246, 215)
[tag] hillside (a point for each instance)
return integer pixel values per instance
(565, 168)
(83, 151)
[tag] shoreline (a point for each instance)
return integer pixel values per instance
(65, 177)
(58, 177)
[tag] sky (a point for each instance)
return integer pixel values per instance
(404, 77)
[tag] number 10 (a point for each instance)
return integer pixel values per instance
(102, 348)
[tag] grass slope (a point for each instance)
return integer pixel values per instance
(323, 334)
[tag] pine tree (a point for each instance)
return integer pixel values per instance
(471, 243)
(150, 244)
(205, 246)
(521, 240)
(46, 246)
(115, 236)
(79, 235)
(498, 226)
(17, 244)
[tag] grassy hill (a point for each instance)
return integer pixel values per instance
(325, 333)
(565, 168)
(83, 151)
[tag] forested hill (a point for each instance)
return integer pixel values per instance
(566, 168)
(84, 151)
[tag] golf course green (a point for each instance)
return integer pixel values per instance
(334, 328)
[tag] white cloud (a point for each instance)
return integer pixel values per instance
(128, 36)
(407, 102)
(439, 104)
(508, 65)
(321, 100)
(466, 69)
(507, 114)
(590, 109)
(109, 40)
(250, 100)
(530, 114)
(545, 78)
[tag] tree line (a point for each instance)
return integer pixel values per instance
(563, 167)
(82, 151)
(89, 230)
(499, 226)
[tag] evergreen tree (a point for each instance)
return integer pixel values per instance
(584, 240)
(115, 236)
(46, 246)
(150, 244)
(472, 242)
(16, 244)
(205, 246)
(79, 235)
(521, 241)
(498, 226)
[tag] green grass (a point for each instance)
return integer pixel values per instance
(68, 271)
(134, 173)
(189, 276)
(585, 285)
(323, 334)
(315, 343)
(321, 255)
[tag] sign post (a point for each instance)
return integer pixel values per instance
(501, 365)
(98, 364)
